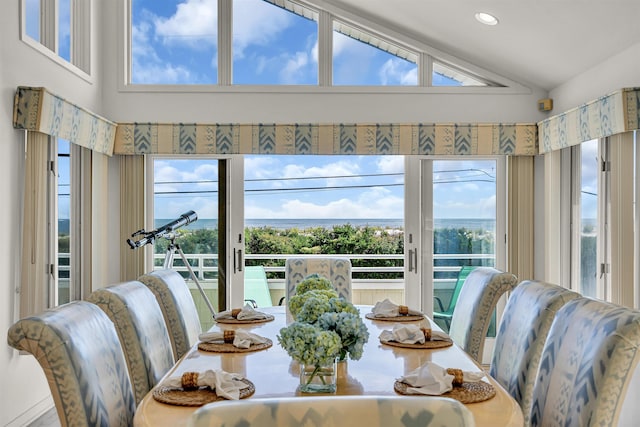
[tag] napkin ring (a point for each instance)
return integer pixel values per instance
(427, 333)
(457, 376)
(235, 312)
(189, 380)
(403, 310)
(229, 336)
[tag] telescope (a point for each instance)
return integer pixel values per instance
(149, 237)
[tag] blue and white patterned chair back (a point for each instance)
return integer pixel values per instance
(78, 348)
(135, 312)
(525, 324)
(313, 411)
(178, 308)
(337, 270)
(478, 298)
(587, 362)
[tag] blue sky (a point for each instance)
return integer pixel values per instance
(175, 42)
(326, 187)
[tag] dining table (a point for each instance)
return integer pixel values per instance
(274, 374)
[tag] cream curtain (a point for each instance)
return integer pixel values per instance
(132, 215)
(37, 258)
(520, 199)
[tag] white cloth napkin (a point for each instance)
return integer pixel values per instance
(246, 313)
(410, 334)
(225, 384)
(387, 308)
(433, 379)
(241, 339)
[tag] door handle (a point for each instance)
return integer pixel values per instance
(415, 261)
(410, 260)
(240, 261)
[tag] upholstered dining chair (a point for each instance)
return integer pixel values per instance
(336, 269)
(178, 308)
(587, 362)
(316, 411)
(525, 324)
(478, 298)
(135, 312)
(78, 348)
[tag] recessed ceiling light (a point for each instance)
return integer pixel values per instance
(486, 18)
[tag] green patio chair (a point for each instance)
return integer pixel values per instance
(256, 287)
(445, 315)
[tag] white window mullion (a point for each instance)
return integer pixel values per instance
(225, 42)
(325, 49)
(425, 68)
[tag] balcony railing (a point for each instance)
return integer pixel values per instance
(206, 269)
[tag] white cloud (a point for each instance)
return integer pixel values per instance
(397, 71)
(161, 73)
(391, 164)
(194, 23)
(294, 67)
(375, 203)
(257, 23)
(147, 66)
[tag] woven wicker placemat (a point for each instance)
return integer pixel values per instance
(401, 318)
(468, 392)
(426, 345)
(225, 347)
(196, 397)
(235, 321)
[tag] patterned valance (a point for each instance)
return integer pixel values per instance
(341, 138)
(36, 109)
(615, 113)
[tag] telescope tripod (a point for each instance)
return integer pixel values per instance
(168, 263)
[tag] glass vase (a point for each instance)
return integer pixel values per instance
(318, 378)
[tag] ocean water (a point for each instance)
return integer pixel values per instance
(392, 223)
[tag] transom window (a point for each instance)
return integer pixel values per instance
(273, 42)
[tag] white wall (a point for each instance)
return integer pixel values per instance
(240, 106)
(24, 392)
(619, 71)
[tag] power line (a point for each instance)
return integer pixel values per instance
(213, 181)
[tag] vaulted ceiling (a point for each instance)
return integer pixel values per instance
(539, 42)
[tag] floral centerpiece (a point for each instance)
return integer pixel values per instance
(321, 317)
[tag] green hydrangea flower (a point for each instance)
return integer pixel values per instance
(313, 282)
(309, 344)
(297, 301)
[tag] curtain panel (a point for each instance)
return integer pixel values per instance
(608, 115)
(36, 109)
(337, 138)
(36, 260)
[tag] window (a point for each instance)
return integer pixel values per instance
(444, 75)
(327, 205)
(212, 188)
(63, 287)
(274, 45)
(588, 218)
(275, 42)
(174, 42)
(360, 58)
(60, 29)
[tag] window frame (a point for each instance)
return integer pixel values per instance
(81, 37)
(427, 55)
